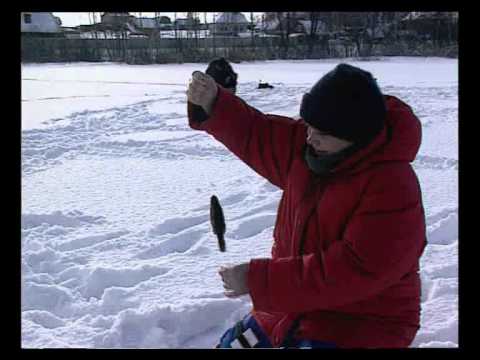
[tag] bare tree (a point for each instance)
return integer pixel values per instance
(252, 31)
(175, 24)
(195, 24)
(205, 32)
(312, 34)
(91, 16)
(372, 21)
(214, 34)
(287, 33)
(284, 29)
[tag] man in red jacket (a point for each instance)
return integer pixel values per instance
(351, 226)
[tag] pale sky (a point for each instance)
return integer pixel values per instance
(85, 18)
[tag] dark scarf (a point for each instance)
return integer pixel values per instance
(323, 165)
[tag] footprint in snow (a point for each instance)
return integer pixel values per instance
(267, 207)
(100, 278)
(44, 318)
(253, 226)
(444, 213)
(176, 225)
(70, 219)
(435, 162)
(88, 241)
(444, 231)
(179, 243)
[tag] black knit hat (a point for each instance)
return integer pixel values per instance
(346, 103)
(222, 72)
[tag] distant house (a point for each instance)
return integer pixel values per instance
(117, 18)
(230, 23)
(296, 23)
(112, 25)
(420, 18)
(145, 23)
(164, 20)
(441, 25)
(150, 24)
(40, 24)
(305, 26)
(180, 23)
(270, 25)
(71, 32)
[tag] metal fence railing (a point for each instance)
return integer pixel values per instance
(167, 50)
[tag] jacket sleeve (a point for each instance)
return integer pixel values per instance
(264, 142)
(382, 242)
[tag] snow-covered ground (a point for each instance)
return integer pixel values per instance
(117, 249)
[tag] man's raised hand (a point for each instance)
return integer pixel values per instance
(202, 91)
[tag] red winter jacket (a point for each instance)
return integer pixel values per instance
(346, 249)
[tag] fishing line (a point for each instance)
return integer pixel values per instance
(107, 82)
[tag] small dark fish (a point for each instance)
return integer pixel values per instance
(218, 221)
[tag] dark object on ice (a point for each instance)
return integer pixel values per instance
(264, 85)
(221, 70)
(218, 221)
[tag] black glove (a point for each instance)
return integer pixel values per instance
(198, 114)
(223, 73)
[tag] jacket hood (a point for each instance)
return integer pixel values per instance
(399, 140)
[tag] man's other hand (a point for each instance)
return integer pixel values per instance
(235, 279)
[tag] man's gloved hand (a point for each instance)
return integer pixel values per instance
(235, 279)
(202, 91)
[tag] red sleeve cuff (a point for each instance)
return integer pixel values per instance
(216, 114)
(258, 283)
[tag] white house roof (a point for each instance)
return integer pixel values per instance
(40, 22)
(232, 17)
(147, 23)
(416, 15)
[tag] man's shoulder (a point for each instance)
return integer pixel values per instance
(390, 175)
(395, 103)
(290, 119)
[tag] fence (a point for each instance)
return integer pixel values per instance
(168, 50)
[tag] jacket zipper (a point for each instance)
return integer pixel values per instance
(307, 219)
(296, 323)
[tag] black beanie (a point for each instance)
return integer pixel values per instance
(222, 72)
(346, 103)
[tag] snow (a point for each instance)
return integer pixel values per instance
(117, 248)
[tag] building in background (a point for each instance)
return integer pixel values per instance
(191, 22)
(112, 26)
(230, 24)
(116, 18)
(437, 26)
(150, 25)
(40, 24)
(293, 23)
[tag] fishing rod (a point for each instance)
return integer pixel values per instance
(107, 82)
(92, 81)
